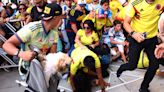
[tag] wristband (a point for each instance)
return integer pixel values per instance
(17, 53)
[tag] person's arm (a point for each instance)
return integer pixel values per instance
(53, 48)
(10, 46)
(161, 28)
(3, 13)
(102, 83)
(136, 35)
(74, 27)
(116, 42)
(73, 69)
(92, 73)
(77, 40)
(159, 51)
(95, 44)
(29, 19)
(72, 82)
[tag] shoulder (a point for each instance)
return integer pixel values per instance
(80, 31)
(136, 2)
(34, 25)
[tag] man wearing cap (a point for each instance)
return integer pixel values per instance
(42, 34)
(76, 16)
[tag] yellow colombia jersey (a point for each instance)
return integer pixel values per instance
(145, 16)
(99, 23)
(121, 14)
(87, 40)
(115, 6)
(78, 55)
(28, 10)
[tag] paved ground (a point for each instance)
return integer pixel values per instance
(129, 82)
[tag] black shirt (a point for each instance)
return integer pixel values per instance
(75, 17)
(35, 15)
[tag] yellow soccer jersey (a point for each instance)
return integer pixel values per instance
(78, 55)
(89, 17)
(34, 34)
(121, 14)
(86, 40)
(115, 6)
(145, 16)
(28, 10)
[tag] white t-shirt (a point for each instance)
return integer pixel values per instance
(117, 35)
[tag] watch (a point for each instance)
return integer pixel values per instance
(131, 33)
(16, 53)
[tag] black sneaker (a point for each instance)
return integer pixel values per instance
(144, 90)
(118, 73)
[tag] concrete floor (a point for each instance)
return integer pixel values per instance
(129, 81)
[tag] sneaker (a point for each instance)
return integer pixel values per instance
(22, 83)
(119, 72)
(144, 90)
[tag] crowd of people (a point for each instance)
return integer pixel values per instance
(92, 32)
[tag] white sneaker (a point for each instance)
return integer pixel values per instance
(22, 83)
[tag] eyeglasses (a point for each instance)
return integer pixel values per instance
(87, 28)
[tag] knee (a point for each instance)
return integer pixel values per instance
(132, 67)
(154, 66)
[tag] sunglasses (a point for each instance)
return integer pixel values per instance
(87, 28)
(21, 8)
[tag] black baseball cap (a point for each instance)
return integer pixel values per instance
(51, 10)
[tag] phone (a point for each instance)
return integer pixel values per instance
(144, 35)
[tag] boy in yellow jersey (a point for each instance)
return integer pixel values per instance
(82, 70)
(141, 22)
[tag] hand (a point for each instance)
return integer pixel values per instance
(93, 46)
(138, 37)
(92, 14)
(7, 19)
(103, 84)
(23, 19)
(27, 55)
(159, 51)
(1, 20)
(126, 43)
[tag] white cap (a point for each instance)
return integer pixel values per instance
(122, 1)
(81, 2)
